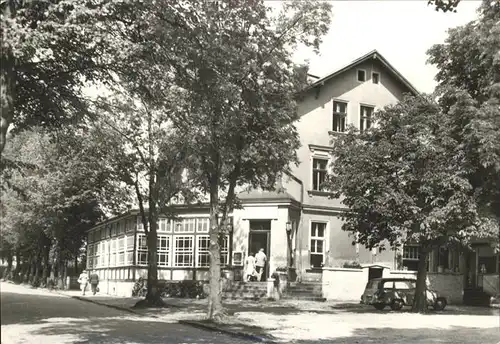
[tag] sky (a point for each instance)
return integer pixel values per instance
(402, 31)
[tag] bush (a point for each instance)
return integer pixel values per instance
(140, 288)
(187, 289)
(352, 265)
(51, 284)
(35, 282)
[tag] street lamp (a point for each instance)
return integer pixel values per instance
(288, 227)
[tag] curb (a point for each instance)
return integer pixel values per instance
(215, 328)
(112, 306)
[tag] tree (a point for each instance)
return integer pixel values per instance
(444, 5)
(469, 92)
(56, 190)
(235, 67)
(403, 183)
(147, 154)
(51, 50)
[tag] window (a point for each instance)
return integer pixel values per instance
(224, 251)
(375, 78)
(319, 173)
(162, 227)
(237, 258)
(339, 116)
(121, 227)
(361, 75)
(388, 285)
(405, 285)
(443, 258)
(130, 223)
(260, 225)
(90, 253)
(202, 254)
(163, 244)
(183, 251)
(365, 122)
(101, 254)
(203, 248)
(142, 250)
(487, 264)
(140, 225)
(185, 225)
(203, 225)
(318, 230)
(410, 257)
(113, 229)
(113, 248)
(121, 251)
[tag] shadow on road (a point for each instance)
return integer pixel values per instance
(452, 335)
(33, 308)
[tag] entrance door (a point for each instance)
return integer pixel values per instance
(374, 273)
(259, 237)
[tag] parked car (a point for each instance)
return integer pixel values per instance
(396, 293)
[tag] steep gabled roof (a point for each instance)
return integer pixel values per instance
(371, 55)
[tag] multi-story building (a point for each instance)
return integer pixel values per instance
(298, 225)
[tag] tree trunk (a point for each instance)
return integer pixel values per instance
(76, 266)
(7, 82)
(8, 272)
(153, 295)
(46, 263)
(215, 309)
(45, 260)
(420, 300)
(18, 266)
(31, 269)
(60, 274)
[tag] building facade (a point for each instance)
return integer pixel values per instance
(298, 225)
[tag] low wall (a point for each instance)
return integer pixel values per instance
(450, 285)
(344, 284)
(116, 288)
(349, 284)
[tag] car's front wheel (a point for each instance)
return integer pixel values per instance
(396, 305)
(440, 304)
(379, 306)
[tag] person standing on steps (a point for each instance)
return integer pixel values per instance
(260, 262)
(250, 267)
(94, 282)
(83, 279)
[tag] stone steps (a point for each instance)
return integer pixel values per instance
(245, 291)
(311, 291)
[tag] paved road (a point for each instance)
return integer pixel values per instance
(36, 316)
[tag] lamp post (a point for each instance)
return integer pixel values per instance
(230, 230)
(288, 229)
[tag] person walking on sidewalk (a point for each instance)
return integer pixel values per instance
(260, 262)
(83, 280)
(94, 282)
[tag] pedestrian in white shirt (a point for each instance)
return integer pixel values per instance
(250, 267)
(260, 263)
(83, 280)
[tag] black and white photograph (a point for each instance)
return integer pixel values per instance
(250, 171)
